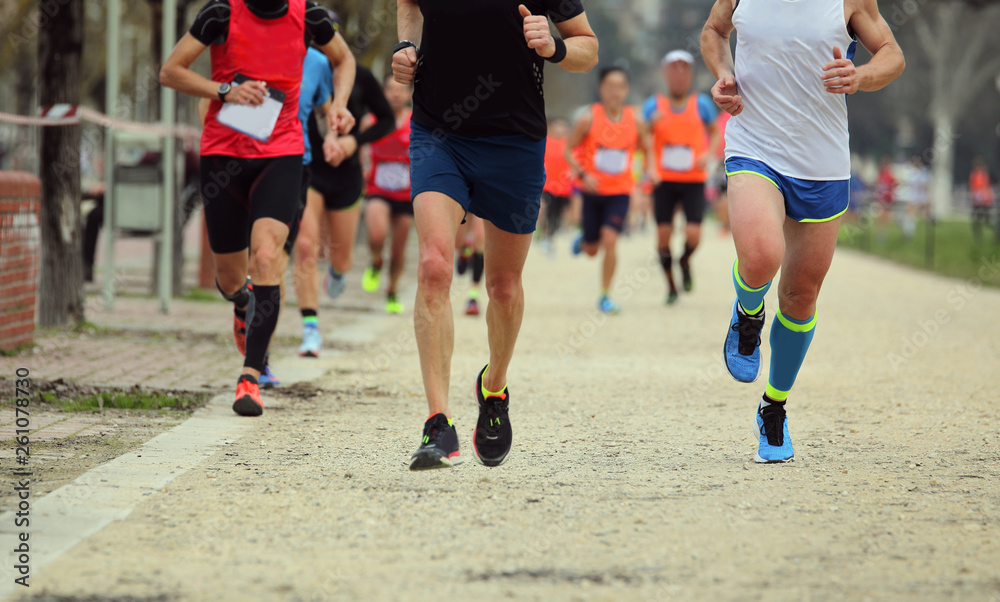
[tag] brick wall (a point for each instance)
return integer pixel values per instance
(20, 245)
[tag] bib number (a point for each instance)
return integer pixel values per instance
(612, 161)
(677, 158)
(392, 176)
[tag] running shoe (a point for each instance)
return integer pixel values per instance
(464, 258)
(312, 341)
(248, 401)
(686, 275)
(775, 444)
(493, 436)
(392, 304)
(577, 247)
(334, 283)
(742, 348)
(267, 379)
(472, 308)
(608, 306)
(672, 296)
(371, 279)
(439, 446)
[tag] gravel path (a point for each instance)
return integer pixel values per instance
(631, 476)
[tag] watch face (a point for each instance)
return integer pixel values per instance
(224, 88)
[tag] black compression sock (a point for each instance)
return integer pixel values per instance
(260, 327)
(478, 264)
(667, 261)
(308, 313)
(686, 257)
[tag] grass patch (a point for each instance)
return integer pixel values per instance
(203, 294)
(946, 248)
(15, 351)
(123, 400)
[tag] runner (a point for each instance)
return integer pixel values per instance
(558, 181)
(339, 183)
(981, 192)
(478, 120)
(684, 132)
(388, 205)
(608, 134)
(250, 185)
(470, 244)
(788, 161)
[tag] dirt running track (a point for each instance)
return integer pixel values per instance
(631, 476)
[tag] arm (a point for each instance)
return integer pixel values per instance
(840, 76)
(580, 129)
(344, 67)
(580, 40)
(714, 137)
(718, 56)
(332, 151)
(385, 119)
(176, 73)
(409, 26)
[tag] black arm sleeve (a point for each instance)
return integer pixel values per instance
(318, 24)
(211, 26)
(562, 10)
(374, 99)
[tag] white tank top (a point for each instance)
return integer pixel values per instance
(789, 120)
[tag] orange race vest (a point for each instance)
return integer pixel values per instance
(558, 177)
(979, 186)
(679, 140)
(608, 149)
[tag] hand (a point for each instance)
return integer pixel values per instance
(701, 163)
(250, 93)
(840, 76)
(590, 183)
(654, 176)
(349, 144)
(404, 65)
(537, 34)
(340, 120)
(725, 95)
(333, 153)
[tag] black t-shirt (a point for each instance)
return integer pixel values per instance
(366, 97)
(211, 26)
(476, 75)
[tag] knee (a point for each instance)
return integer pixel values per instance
(230, 279)
(264, 260)
(590, 249)
(798, 302)
(305, 248)
(761, 263)
(434, 271)
(504, 289)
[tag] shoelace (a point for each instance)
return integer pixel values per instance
(773, 423)
(749, 330)
(432, 432)
(494, 408)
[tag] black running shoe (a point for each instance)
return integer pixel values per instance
(492, 438)
(686, 275)
(439, 447)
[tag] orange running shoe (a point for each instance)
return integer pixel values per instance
(248, 401)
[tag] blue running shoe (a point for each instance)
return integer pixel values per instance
(334, 283)
(608, 306)
(312, 341)
(775, 443)
(577, 247)
(742, 348)
(267, 379)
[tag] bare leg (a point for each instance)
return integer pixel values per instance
(505, 256)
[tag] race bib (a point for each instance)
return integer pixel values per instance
(392, 176)
(611, 161)
(677, 158)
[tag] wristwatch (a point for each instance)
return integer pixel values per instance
(224, 89)
(403, 44)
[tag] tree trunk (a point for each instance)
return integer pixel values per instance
(60, 45)
(942, 165)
